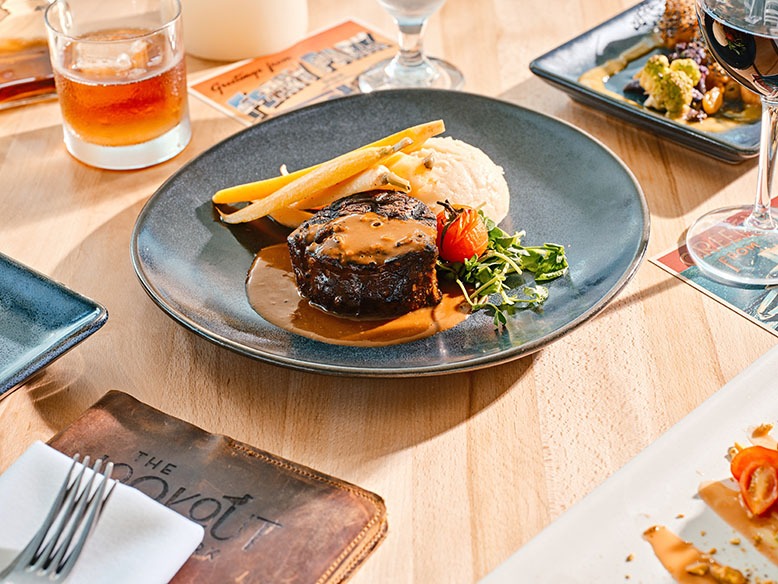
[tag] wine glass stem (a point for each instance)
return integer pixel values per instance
(761, 216)
(411, 50)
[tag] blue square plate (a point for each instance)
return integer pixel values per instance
(39, 321)
(563, 67)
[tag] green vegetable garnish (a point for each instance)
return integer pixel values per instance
(486, 280)
(670, 86)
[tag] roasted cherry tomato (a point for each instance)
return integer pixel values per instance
(759, 487)
(751, 455)
(462, 233)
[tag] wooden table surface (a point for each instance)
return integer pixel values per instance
(472, 465)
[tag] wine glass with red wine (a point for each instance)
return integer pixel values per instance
(739, 245)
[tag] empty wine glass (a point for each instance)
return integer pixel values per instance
(411, 67)
(740, 244)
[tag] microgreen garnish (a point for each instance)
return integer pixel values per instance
(487, 281)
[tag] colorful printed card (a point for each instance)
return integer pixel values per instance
(759, 304)
(321, 67)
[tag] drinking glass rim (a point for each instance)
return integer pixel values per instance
(157, 30)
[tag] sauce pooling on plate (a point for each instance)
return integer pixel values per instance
(760, 530)
(685, 563)
(272, 293)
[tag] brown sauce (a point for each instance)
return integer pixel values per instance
(364, 238)
(685, 563)
(596, 78)
(272, 292)
(761, 531)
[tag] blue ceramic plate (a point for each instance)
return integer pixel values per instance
(565, 187)
(563, 66)
(39, 320)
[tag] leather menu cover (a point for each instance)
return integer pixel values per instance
(266, 519)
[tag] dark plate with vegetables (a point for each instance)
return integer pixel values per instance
(194, 266)
(565, 65)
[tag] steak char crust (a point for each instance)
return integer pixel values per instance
(370, 255)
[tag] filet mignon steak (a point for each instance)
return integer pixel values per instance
(369, 255)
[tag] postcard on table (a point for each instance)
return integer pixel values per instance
(323, 66)
(759, 304)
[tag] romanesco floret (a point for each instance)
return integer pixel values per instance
(670, 86)
(689, 67)
(653, 71)
(673, 94)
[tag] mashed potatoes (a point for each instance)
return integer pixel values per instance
(463, 175)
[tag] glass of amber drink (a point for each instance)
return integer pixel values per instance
(121, 80)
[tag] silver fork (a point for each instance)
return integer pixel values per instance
(53, 551)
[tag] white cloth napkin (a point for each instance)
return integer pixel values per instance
(136, 539)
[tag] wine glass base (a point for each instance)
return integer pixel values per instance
(430, 74)
(729, 249)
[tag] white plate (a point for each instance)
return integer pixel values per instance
(591, 542)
